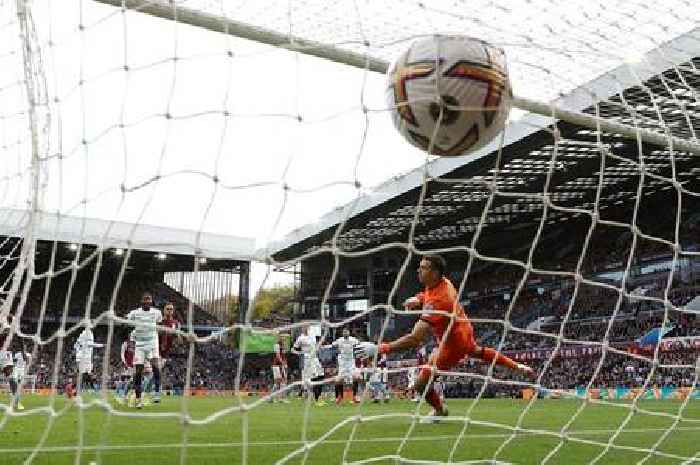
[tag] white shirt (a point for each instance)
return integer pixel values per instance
(85, 344)
(21, 360)
(312, 365)
(145, 333)
(307, 345)
(345, 346)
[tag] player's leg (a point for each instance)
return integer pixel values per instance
(84, 378)
(129, 386)
(355, 388)
(317, 389)
(415, 395)
(345, 373)
(490, 355)
(17, 377)
(283, 384)
(119, 392)
(339, 388)
(7, 371)
(124, 385)
(79, 379)
(384, 387)
(374, 391)
(155, 364)
(139, 360)
(276, 382)
(442, 359)
(138, 386)
(88, 381)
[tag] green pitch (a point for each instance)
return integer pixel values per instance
(275, 430)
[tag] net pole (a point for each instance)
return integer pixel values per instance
(222, 24)
(34, 85)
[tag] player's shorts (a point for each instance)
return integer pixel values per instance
(141, 354)
(18, 374)
(451, 352)
(5, 359)
(311, 370)
(279, 372)
(84, 366)
(379, 376)
(347, 371)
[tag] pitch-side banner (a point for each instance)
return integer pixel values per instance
(667, 345)
(617, 393)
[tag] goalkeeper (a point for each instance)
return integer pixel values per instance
(445, 318)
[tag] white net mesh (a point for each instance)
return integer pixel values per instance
(144, 143)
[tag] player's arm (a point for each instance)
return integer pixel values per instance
(414, 303)
(421, 331)
(296, 348)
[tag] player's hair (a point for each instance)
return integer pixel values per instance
(437, 263)
(146, 294)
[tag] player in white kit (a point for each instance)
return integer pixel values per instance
(83, 357)
(347, 372)
(312, 370)
(146, 319)
(6, 357)
(21, 361)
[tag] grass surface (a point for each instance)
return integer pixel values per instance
(269, 432)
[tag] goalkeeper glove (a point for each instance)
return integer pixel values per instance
(365, 350)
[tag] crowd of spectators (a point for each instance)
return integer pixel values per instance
(544, 308)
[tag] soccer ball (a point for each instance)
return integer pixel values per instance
(456, 84)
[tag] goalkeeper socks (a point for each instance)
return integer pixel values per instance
(433, 398)
(156, 378)
(488, 355)
(355, 385)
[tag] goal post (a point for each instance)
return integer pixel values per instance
(221, 24)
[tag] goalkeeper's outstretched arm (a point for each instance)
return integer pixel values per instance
(421, 331)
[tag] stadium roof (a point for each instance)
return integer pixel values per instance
(458, 188)
(122, 235)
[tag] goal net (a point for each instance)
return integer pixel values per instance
(160, 147)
